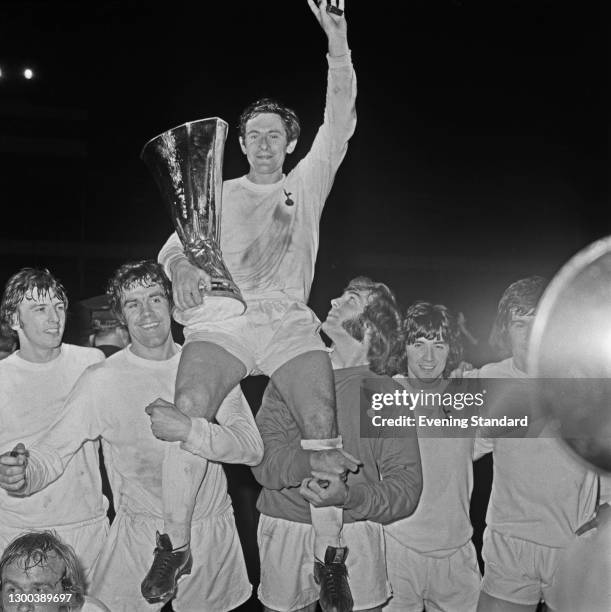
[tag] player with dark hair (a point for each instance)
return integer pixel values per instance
(431, 560)
(269, 240)
(432, 322)
(287, 115)
(145, 273)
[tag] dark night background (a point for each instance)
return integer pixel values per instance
(480, 154)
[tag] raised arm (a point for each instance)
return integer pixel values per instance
(320, 165)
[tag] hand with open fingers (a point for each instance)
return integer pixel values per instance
(334, 494)
(333, 8)
(336, 461)
(188, 284)
(330, 16)
(13, 467)
(167, 422)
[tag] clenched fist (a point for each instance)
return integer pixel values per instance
(167, 422)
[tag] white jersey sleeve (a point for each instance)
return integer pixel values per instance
(80, 420)
(235, 439)
(171, 251)
(318, 168)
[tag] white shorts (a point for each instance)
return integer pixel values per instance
(448, 584)
(583, 576)
(87, 538)
(519, 571)
(217, 582)
(266, 336)
(93, 605)
(286, 550)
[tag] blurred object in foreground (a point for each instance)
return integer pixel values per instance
(571, 339)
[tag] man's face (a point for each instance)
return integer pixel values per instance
(518, 333)
(40, 320)
(426, 359)
(37, 583)
(147, 315)
(345, 309)
(265, 144)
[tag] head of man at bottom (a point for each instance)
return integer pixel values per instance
(38, 572)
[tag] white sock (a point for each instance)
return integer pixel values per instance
(181, 477)
(327, 522)
(324, 444)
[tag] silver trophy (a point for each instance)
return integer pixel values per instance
(187, 163)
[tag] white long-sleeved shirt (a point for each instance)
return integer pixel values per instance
(32, 397)
(109, 401)
(270, 233)
(441, 523)
(540, 492)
